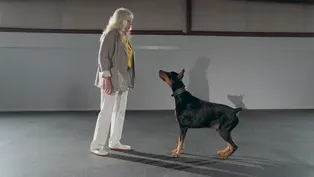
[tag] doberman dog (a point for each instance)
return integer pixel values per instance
(192, 112)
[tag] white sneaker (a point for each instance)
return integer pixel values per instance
(120, 146)
(99, 152)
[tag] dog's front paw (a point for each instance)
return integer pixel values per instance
(219, 152)
(176, 155)
(174, 151)
(224, 154)
(224, 157)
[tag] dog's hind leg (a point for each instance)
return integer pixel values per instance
(231, 145)
(177, 151)
(225, 132)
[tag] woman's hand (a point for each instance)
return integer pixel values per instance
(107, 86)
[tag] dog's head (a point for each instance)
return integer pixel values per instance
(173, 79)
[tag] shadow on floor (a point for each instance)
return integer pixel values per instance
(210, 166)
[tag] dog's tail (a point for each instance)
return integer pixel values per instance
(237, 110)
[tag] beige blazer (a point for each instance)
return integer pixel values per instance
(113, 62)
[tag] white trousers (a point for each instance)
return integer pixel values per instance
(111, 115)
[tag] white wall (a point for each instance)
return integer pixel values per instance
(56, 71)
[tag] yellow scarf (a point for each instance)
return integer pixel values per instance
(130, 52)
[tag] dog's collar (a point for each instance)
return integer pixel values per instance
(179, 91)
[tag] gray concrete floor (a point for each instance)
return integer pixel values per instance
(271, 144)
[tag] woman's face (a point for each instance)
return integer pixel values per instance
(128, 26)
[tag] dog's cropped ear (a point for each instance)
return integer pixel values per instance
(181, 74)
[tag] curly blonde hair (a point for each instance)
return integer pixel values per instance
(118, 21)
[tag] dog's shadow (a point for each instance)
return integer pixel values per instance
(236, 166)
(237, 100)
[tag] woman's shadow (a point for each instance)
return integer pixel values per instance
(198, 82)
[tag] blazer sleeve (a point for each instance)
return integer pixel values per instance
(106, 52)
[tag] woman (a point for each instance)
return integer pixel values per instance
(115, 76)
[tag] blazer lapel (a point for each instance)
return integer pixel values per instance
(124, 47)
